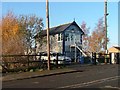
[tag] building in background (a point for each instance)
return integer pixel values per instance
(65, 39)
(115, 51)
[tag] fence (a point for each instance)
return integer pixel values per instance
(101, 58)
(104, 58)
(16, 63)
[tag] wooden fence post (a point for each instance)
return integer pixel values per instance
(105, 58)
(28, 63)
(95, 59)
(110, 58)
(92, 58)
(57, 60)
(40, 57)
(118, 57)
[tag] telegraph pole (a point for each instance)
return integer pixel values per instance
(105, 20)
(48, 38)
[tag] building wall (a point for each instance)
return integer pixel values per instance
(72, 35)
(41, 45)
(113, 51)
(55, 46)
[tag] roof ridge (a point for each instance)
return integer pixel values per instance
(59, 28)
(59, 25)
(62, 24)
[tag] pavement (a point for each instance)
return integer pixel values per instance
(38, 73)
(41, 73)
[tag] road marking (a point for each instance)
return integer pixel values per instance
(36, 82)
(112, 87)
(91, 82)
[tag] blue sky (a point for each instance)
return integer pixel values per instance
(65, 12)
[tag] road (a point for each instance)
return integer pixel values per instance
(100, 76)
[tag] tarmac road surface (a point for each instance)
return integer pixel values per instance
(103, 76)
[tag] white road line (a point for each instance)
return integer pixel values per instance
(36, 82)
(112, 87)
(88, 84)
(91, 82)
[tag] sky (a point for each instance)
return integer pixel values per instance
(119, 25)
(65, 12)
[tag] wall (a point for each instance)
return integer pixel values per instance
(55, 46)
(74, 35)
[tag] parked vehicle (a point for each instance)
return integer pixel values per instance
(62, 59)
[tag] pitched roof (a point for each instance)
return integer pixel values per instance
(117, 47)
(114, 49)
(58, 29)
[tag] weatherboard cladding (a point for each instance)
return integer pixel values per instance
(58, 29)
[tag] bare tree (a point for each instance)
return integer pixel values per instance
(30, 25)
(85, 42)
(97, 39)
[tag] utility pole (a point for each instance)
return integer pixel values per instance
(48, 38)
(105, 20)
